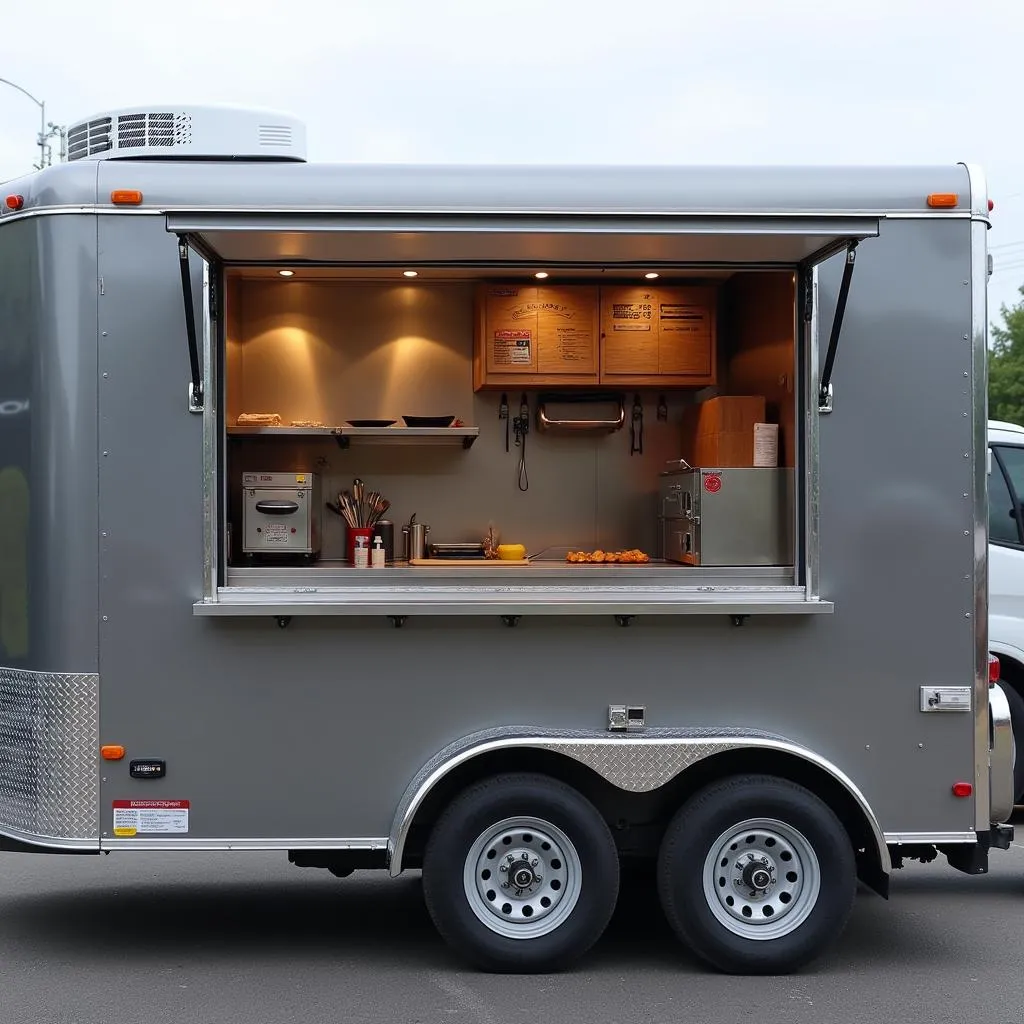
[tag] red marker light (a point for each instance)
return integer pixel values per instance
(991, 206)
(962, 789)
(14, 202)
(993, 669)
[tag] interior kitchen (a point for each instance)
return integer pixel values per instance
(393, 421)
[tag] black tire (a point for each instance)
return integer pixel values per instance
(685, 853)
(1016, 702)
(591, 862)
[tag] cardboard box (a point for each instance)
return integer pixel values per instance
(720, 431)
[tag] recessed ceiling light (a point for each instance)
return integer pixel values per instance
(410, 273)
(541, 274)
(651, 276)
(286, 273)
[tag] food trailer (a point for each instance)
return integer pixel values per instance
(516, 525)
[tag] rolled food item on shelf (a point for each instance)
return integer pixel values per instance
(259, 419)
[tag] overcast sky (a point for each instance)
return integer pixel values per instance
(661, 81)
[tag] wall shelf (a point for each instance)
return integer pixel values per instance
(464, 436)
(247, 431)
(346, 436)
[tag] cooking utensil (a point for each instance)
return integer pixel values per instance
(357, 494)
(369, 423)
(415, 535)
(428, 421)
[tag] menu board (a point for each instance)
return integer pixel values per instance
(547, 330)
(651, 331)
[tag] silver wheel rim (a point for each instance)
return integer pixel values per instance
(522, 877)
(761, 879)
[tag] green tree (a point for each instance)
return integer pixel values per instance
(1006, 365)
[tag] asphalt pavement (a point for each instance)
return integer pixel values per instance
(248, 938)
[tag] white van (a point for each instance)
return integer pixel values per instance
(1006, 572)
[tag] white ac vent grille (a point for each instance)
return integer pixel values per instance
(196, 132)
(89, 138)
(158, 129)
(275, 135)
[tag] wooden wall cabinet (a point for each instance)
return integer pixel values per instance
(536, 335)
(585, 335)
(658, 336)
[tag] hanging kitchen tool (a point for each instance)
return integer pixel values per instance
(546, 423)
(522, 428)
(636, 432)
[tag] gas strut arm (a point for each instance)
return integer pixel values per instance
(195, 395)
(825, 387)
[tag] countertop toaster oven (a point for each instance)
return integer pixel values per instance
(281, 514)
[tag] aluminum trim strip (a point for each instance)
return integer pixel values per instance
(930, 838)
(243, 845)
(49, 736)
(51, 842)
(171, 208)
(812, 468)
(978, 368)
(507, 601)
(210, 407)
(638, 763)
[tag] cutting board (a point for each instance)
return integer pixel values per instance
(469, 561)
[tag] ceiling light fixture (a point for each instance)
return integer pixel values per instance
(541, 274)
(651, 276)
(286, 273)
(410, 273)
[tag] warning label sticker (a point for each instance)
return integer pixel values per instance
(512, 348)
(275, 533)
(148, 817)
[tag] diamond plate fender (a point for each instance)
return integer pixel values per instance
(636, 764)
(49, 778)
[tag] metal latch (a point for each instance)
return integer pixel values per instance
(626, 717)
(945, 698)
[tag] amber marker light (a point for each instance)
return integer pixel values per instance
(111, 752)
(126, 197)
(940, 199)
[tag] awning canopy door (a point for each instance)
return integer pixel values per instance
(512, 240)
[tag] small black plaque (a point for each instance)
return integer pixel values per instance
(148, 769)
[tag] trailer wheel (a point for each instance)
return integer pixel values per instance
(756, 875)
(521, 874)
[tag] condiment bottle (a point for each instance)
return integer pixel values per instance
(362, 553)
(378, 552)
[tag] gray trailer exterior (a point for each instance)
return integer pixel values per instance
(341, 738)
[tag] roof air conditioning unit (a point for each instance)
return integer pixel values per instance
(189, 133)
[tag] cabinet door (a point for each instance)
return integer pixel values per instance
(536, 335)
(658, 335)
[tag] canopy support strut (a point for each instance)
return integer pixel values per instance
(825, 387)
(195, 391)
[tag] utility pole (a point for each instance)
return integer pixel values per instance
(43, 140)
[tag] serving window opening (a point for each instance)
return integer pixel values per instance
(530, 425)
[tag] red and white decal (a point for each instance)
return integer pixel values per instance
(150, 817)
(712, 482)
